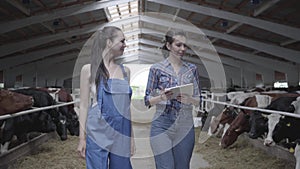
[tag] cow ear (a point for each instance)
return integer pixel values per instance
(237, 130)
(292, 150)
(264, 115)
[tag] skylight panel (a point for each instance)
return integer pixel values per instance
(122, 10)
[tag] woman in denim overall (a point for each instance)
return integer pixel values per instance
(105, 126)
(172, 131)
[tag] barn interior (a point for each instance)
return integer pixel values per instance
(234, 43)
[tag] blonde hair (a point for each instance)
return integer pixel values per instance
(98, 70)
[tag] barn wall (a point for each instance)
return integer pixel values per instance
(41, 75)
(233, 75)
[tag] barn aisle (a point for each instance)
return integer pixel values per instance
(143, 157)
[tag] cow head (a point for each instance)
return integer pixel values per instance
(229, 138)
(61, 124)
(69, 112)
(239, 125)
(273, 119)
(61, 127)
(258, 125)
(287, 127)
(228, 115)
(46, 123)
(73, 124)
(11, 102)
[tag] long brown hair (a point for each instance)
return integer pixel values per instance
(98, 70)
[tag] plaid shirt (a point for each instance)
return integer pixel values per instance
(162, 75)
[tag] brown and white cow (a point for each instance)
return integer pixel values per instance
(241, 123)
(224, 119)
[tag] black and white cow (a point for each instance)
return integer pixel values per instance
(258, 125)
(295, 106)
(20, 126)
(61, 95)
(42, 99)
(297, 154)
(280, 104)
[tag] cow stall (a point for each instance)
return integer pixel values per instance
(39, 117)
(277, 150)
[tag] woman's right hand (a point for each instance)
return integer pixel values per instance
(81, 148)
(166, 95)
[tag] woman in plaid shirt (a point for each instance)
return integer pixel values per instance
(172, 131)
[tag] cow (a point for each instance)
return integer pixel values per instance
(240, 98)
(223, 121)
(231, 95)
(11, 102)
(258, 125)
(279, 104)
(287, 128)
(294, 147)
(69, 112)
(61, 95)
(241, 123)
(21, 125)
(295, 106)
(42, 99)
(297, 155)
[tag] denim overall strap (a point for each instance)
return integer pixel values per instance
(124, 73)
(99, 96)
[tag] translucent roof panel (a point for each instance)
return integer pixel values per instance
(122, 10)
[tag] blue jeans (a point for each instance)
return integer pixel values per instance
(172, 140)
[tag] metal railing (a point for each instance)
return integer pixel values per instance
(37, 109)
(253, 108)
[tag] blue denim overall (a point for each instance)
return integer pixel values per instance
(108, 127)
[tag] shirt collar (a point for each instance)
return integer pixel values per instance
(166, 63)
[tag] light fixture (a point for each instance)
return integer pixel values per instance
(224, 23)
(56, 22)
(26, 1)
(255, 2)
